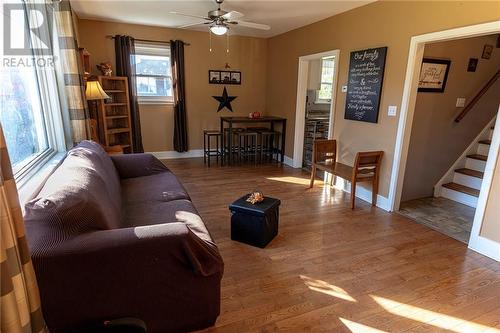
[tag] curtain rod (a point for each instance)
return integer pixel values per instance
(148, 40)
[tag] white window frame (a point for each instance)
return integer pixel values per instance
(154, 49)
(28, 176)
(322, 100)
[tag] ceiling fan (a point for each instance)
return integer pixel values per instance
(219, 20)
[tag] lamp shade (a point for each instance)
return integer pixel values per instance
(94, 91)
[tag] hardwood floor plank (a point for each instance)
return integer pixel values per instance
(329, 265)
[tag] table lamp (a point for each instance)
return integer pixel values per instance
(94, 92)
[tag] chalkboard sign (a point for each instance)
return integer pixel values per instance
(366, 73)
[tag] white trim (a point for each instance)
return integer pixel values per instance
(477, 242)
(362, 193)
(289, 161)
(32, 186)
(457, 196)
(415, 55)
(171, 154)
(167, 155)
(460, 162)
(300, 108)
(161, 100)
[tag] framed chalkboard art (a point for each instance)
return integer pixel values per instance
(433, 75)
(364, 85)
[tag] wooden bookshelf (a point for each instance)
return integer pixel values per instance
(114, 118)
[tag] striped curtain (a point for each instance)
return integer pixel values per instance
(20, 309)
(74, 89)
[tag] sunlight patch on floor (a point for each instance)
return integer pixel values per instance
(326, 288)
(359, 328)
(430, 317)
(291, 180)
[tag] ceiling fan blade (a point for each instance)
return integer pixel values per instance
(192, 24)
(189, 15)
(232, 15)
(252, 25)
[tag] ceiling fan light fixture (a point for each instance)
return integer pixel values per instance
(218, 29)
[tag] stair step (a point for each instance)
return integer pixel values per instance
(470, 172)
(478, 157)
(461, 188)
(485, 142)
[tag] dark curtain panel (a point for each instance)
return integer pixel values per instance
(178, 83)
(125, 66)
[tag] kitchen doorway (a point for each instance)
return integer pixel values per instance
(316, 90)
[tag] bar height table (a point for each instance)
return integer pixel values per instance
(246, 120)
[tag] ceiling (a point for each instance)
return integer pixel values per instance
(281, 15)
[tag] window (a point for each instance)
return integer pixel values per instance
(324, 94)
(153, 73)
(22, 117)
(30, 112)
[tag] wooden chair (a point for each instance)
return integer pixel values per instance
(366, 167)
(324, 157)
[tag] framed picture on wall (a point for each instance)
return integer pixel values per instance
(433, 75)
(471, 67)
(224, 77)
(235, 77)
(487, 51)
(213, 76)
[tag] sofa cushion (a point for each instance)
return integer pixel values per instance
(151, 188)
(106, 167)
(154, 212)
(82, 194)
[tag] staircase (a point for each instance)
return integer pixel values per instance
(462, 182)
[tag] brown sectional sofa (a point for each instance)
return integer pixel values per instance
(106, 243)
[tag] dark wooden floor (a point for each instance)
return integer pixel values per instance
(331, 269)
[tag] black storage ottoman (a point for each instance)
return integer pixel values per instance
(255, 224)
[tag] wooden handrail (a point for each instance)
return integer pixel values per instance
(477, 97)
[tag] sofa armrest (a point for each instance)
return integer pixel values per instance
(137, 165)
(149, 272)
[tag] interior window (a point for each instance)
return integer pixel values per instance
(324, 95)
(153, 73)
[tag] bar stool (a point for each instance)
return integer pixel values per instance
(269, 143)
(233, 150)
(247, 145)
(208, 152)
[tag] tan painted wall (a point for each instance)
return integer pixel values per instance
(384, 23)
(491, 221)
(246, 54)
(436, 140)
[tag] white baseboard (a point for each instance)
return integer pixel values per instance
(485, 246)
(288, 161)
(363, 194)
(171, 154)
(166, 155)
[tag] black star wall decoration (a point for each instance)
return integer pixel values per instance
(224, 100)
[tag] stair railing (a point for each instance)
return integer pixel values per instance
(478, 96)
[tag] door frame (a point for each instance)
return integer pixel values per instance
(415, 56)
(300, 109)
(477, 242)
(416, 52)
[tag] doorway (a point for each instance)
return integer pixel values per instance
(315, 108)
(446, 154)
(415, 57)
